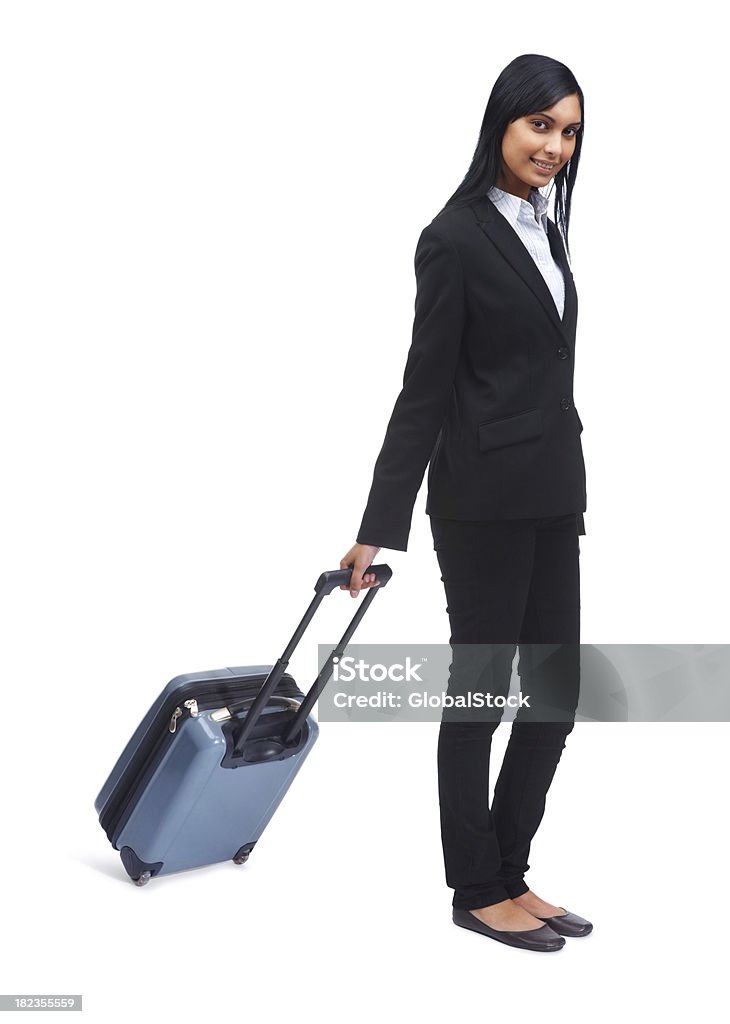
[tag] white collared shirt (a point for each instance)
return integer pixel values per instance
(529, 219)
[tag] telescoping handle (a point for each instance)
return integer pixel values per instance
(324, 585)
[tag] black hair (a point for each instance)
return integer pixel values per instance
(530, 82)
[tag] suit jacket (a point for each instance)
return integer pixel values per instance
(487, 395)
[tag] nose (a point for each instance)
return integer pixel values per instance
(554, 147)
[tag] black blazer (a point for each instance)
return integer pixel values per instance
(487, 393)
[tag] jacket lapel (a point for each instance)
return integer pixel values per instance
(510, 245)
(570, 309)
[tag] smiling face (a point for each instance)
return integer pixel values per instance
(545, 137)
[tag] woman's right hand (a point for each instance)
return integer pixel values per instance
(360, 557)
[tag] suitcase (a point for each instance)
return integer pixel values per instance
(210, 762)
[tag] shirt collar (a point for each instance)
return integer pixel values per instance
(514, 208)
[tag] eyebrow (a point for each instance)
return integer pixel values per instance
(573, 124)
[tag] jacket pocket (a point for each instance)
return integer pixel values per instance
(507, 430)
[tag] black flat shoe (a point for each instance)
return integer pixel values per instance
(567, 924)
(542, 940)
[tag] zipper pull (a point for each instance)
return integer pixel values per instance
(191, 705)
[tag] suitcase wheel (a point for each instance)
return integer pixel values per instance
(138, 870)
(243, 854)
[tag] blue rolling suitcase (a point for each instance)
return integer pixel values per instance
(203, 774)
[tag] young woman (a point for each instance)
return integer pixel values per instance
(487, 399)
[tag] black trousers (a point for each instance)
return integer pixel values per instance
(508, 583)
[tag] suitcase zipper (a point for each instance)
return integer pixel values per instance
(191, 705)
(220, 714)
(223, 714)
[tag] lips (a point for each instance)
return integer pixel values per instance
(542, 165)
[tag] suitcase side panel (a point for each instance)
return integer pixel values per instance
(192, 812)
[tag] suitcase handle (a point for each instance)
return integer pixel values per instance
(324, 585)
(341, 578)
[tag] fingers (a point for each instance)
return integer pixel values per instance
(356, 580)
(360, 578)
(367, 581)
(360, 582)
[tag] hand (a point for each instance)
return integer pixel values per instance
(360, 557)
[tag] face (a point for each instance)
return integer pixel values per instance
(547, 136)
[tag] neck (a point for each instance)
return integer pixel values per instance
(512, 184)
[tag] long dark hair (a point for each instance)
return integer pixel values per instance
(530, 82)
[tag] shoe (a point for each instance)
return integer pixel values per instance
(567, 924)
(542, 940)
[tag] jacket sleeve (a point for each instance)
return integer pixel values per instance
(423, 401)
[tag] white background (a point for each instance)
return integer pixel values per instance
(209, 216)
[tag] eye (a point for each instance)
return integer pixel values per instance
(573, 130)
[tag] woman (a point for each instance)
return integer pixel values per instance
(487, 399)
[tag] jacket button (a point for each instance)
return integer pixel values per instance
(563, 352)
(565, 403)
